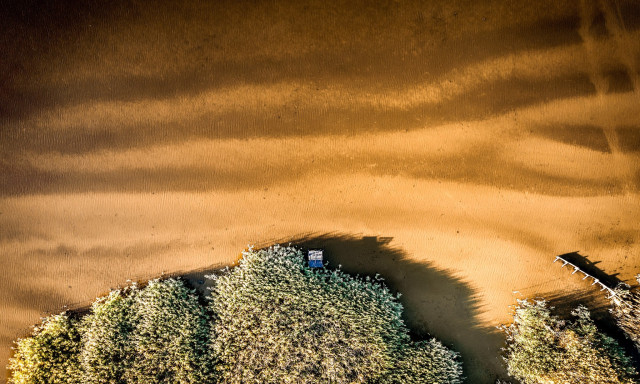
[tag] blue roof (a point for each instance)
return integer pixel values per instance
(315, 258)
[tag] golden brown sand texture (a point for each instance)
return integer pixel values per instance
(454, 147)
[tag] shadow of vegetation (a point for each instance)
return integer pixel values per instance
(563, 303)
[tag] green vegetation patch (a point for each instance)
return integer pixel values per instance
(272, 319)
(50, 355)
(626, 310)
(541, 348)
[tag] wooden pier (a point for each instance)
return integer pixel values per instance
(612, 294)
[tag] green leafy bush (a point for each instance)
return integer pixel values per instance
(106, 352)
(626, 310)
(159, 334)
(271, 320)
(50, 356)
(544, 349)
(170, 335)
(425, 362)
(276, 320)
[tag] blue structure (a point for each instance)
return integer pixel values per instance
(315, 258)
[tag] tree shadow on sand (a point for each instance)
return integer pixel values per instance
(436, 302)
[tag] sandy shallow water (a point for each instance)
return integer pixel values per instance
(453, 147)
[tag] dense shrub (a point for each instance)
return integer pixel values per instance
(425, 362)
(50, 356)
(276, 320)
(626, 310)
(544, 349)
(106, 352)
(159, 334)
(170, 335)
